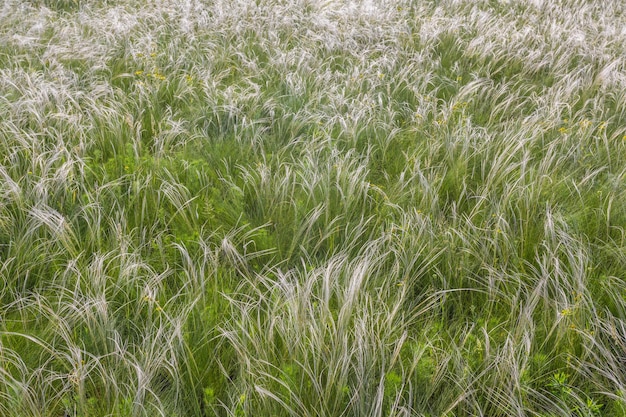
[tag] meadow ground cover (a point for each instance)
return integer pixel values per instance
(312, 208)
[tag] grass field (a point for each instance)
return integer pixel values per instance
(312, 208)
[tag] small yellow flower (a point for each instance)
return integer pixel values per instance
(73, 378)
(566, 312)
(562, 130)
(381, 75)
(139, 72)
(153, 54)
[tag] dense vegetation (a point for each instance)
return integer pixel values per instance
(312, 208)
